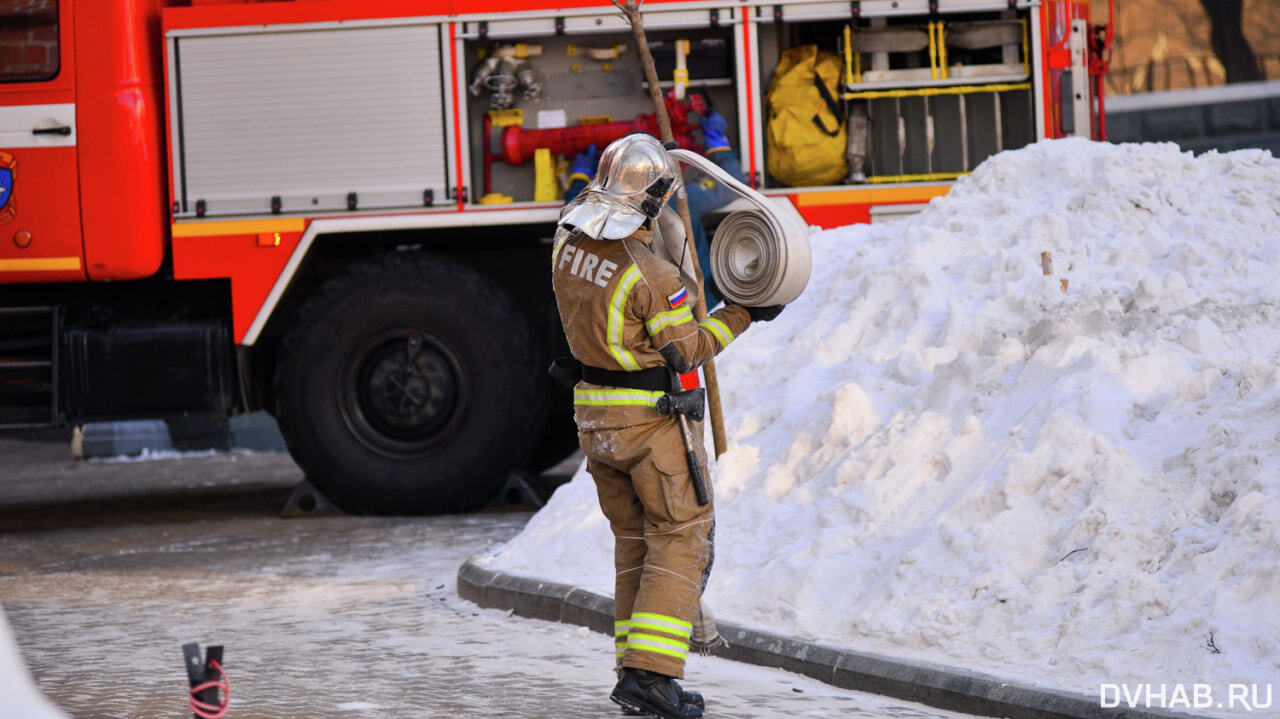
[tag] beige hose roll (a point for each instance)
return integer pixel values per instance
(754, 265)
(760, 252)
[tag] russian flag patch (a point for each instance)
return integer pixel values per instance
(678, 298)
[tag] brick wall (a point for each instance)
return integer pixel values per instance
(28, 39)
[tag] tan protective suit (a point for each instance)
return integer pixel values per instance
(626, 309)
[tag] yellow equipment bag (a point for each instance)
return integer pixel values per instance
(807, 134)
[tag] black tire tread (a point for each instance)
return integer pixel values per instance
(439, 272)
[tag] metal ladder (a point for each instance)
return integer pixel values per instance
(29, 366)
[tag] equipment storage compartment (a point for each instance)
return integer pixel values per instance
(535, 101)
(288, 118)
(921, 97)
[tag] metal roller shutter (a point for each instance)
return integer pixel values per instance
(310, 116)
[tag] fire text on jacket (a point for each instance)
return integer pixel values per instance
(587, 266)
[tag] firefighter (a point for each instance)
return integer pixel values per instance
(629, 322)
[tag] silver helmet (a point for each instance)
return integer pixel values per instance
(635, 178)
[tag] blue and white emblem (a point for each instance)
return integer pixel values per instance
(8, 174)
(6, 185)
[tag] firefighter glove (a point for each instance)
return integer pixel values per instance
(584, 165)
(764, 314)
(714, 131)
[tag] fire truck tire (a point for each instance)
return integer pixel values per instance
(410, 384)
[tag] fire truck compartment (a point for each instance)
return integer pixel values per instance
(583, 77)
(925, 96)
(297, 118)
(152, 370)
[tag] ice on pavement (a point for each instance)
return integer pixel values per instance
(937, 453)
(152, 455)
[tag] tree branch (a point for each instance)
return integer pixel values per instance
(631, 10)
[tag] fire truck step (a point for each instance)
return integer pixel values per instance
(28, 366)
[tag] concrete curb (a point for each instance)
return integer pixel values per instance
(925, 683)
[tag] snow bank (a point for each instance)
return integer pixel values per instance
(937, 453)
(18, 694)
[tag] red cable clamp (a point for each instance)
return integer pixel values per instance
(207, 678)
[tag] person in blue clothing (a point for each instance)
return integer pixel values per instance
(702, 198)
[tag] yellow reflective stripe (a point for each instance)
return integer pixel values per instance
(613, 397)
(662, 623)
(616, 315)
(620, 630)
(687, 626)
(659, 645)
(555, 253)
(719, 329)
(678, 316)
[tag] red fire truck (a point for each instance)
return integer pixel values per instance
(339, 210)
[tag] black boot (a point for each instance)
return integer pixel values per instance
(686, 697)
(694, 698)
(653, 693)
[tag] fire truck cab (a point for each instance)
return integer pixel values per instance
(339, 210)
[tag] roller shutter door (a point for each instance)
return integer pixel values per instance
(309, 116)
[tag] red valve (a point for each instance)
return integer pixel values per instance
(519, 144)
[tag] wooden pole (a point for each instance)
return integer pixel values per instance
(631, 10)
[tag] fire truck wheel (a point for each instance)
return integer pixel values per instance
(409, 385)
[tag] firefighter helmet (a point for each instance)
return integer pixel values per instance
(635, 178)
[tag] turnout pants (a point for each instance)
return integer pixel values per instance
(662, 539)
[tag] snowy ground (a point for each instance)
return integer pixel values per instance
(322, 618)
(104, 575)
(938, 453)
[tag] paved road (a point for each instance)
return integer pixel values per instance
(106, 569)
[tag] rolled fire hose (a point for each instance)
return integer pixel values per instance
(760, 253)
(674, 249)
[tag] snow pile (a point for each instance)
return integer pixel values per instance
(937, 453)
(18, 694)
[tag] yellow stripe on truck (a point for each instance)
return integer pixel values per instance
(237, 227)
(870, 196)
(40, 264)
